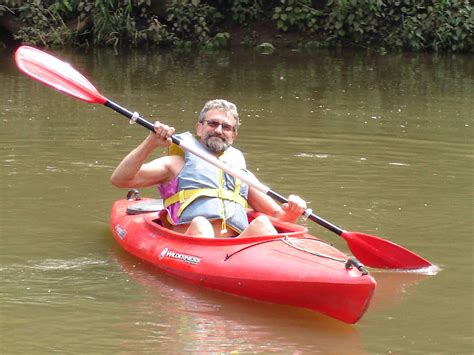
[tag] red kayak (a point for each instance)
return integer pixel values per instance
(292, 268)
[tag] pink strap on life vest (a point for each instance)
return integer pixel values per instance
(167, 190)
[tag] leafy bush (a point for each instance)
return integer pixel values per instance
(245, 12)
(438, 25)
(401, 24)
(49, 24)
(124, 22)
(296, 15)
(191, 21)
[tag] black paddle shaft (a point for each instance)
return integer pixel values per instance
(131, 115)
(135, 117)
(321, 221)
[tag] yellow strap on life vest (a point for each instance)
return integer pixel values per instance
(238, 184)
(185, 197)
(175, 149)
(220, 194)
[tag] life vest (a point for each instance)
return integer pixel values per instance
(201, 189)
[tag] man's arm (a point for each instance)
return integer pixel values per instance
(289, 212)
(134, 172)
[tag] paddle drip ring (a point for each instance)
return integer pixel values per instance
(307, 212)
(134, 118)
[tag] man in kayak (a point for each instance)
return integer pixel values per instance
(201, 199)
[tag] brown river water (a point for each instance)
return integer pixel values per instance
(376, 144)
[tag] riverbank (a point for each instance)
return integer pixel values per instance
(385, 26)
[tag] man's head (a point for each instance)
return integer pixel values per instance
(217, 125)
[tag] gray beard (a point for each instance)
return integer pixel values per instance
(216, 144)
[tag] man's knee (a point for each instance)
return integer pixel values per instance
(263, 225)
(200, 220)
(201, 227)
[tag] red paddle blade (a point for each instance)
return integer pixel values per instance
(380, 253)
(55, 73)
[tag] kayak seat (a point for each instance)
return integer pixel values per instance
(146, 206)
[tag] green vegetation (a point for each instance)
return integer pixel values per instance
(416, 25)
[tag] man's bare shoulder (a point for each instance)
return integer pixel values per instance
(163, 169)
(173, 164)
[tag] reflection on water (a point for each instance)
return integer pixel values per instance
(208, 321)
(393, 287)
(377, 144)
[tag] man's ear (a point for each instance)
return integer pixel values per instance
(199, 126)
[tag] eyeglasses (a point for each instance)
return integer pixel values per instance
(225, 126)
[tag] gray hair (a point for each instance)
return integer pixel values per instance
(220, 104)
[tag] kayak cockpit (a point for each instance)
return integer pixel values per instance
(150, 209)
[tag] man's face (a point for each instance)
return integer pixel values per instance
(217, 131)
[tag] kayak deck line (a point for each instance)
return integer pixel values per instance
(349, 263)
(228, 256)
(287, 241)
(291, 268)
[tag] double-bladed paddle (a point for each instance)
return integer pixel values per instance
(370, 250)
